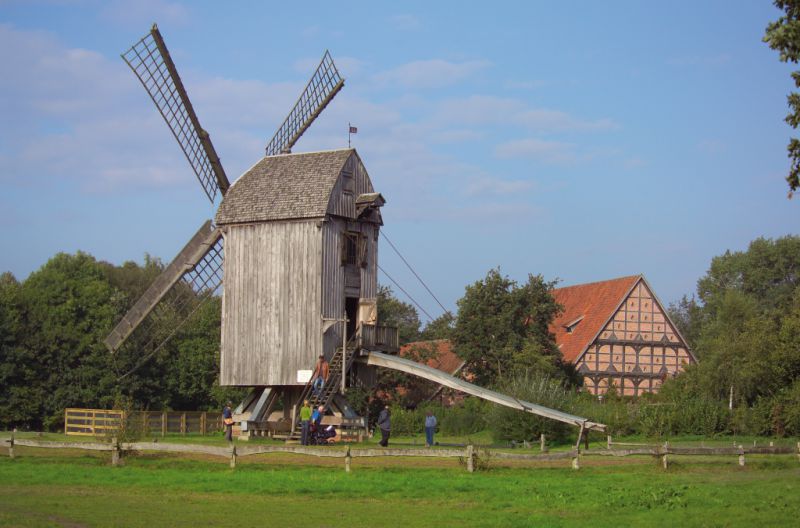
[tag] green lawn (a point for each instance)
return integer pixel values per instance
(42, 488)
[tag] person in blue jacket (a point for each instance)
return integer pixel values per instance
(430, 428)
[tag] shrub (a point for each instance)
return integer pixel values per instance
(511, 424)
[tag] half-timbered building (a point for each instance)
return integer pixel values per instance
(618, 334)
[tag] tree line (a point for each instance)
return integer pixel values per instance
(743, 324)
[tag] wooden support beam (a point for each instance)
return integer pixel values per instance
(437, 376)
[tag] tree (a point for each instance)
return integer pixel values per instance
(687, 315)
(503, 327)
(440, 328)
(745, 334)
(783, 35)
(768, 272)
(20, 394)
(68, 310)
(394, 312)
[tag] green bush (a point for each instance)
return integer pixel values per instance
(510, 424)
(462, 420)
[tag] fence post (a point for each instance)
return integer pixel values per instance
(576, 459)
(203, 423)
(233, 456)
(163, 424)
(608, 442)
(664, 457)
(798, 451)
(183, 423)
(741, 455)
(347, 459)
(11, 445)
(470, 458)
(114, 452)
(543, 444)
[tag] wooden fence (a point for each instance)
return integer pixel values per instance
(99, 422)
(470, 455)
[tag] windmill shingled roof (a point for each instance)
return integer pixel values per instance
(595, 303)
(283, 187)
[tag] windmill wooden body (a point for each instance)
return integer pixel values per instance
(295, 241)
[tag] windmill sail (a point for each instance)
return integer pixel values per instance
(192, 277)
(320, 90)
(150, 61)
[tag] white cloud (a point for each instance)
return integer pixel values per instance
(433, 73)
(484, 109)
(555, 152)
(484, 186)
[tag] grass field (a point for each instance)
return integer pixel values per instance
(42, 488)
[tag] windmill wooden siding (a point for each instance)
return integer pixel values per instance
(274, 270)
(285, 223)
(617, 333)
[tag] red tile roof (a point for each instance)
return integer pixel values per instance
(593, 303)
(443, 357)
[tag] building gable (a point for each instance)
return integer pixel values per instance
(618, 333)
(587, 309)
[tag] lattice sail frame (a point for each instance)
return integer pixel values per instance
(183, 300)
(150, 61)
(320, 90)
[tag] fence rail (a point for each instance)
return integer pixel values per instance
(470, 454)
(102, 422)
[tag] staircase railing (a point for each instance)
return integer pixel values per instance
(331, 387)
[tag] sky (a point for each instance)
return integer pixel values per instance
(582, 141)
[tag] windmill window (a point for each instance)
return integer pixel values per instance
(350, 248)
(348, 182)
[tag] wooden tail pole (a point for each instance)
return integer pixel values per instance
(576, 459)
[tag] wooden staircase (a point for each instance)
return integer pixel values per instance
(330, 390)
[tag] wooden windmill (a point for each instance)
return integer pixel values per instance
(299, 263)
(299, 266)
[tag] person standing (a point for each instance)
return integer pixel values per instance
(305, 418)
(385, 425)
(227, 421)
(430, 428)
(321, 371)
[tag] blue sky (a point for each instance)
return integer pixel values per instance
(583, 142)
